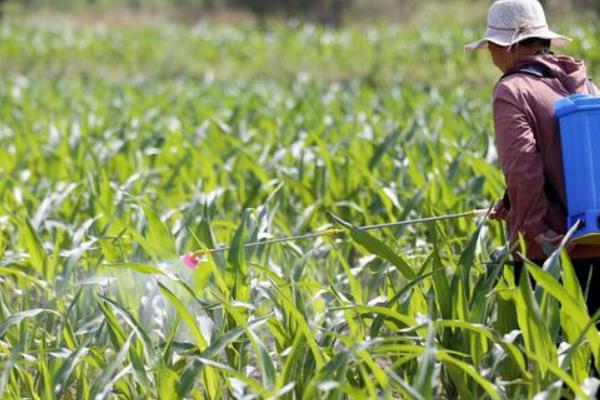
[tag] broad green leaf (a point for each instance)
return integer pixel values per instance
(377, 247)
(104, 383)
(489, 388)
(145, 269)
(185, 315)
(19, 317)
(159, 236)
(63, 374)
(577, 313)
(36, 252)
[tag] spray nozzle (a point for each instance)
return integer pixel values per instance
(192, 259)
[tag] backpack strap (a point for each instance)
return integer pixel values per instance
(541, 71)
(535, 69)
(591, 88)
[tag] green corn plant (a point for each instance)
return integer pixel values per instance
(126, 147)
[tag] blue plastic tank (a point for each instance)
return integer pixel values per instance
(579, 120)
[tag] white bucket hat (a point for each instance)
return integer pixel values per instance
(511, 21)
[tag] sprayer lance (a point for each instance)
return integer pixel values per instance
(338, 232)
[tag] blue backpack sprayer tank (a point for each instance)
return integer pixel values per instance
(579, 120)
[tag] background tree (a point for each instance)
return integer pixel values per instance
(328, 12)
(2, 8)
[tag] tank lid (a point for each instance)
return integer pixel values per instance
(576, 102)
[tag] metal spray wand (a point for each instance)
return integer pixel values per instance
(193, 258)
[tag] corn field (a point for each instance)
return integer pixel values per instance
(123, 149)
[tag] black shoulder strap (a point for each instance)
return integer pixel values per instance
(535, 69)
(541, 71)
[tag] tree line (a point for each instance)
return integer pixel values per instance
(328, 12)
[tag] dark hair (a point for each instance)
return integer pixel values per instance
(535, 42)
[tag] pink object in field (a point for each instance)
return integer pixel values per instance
(190, 260)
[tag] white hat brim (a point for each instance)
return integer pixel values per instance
(506, 40)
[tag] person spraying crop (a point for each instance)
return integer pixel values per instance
(529, 149)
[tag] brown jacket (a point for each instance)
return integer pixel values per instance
(529, 149)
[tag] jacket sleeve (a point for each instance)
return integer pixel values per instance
(521, 163)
